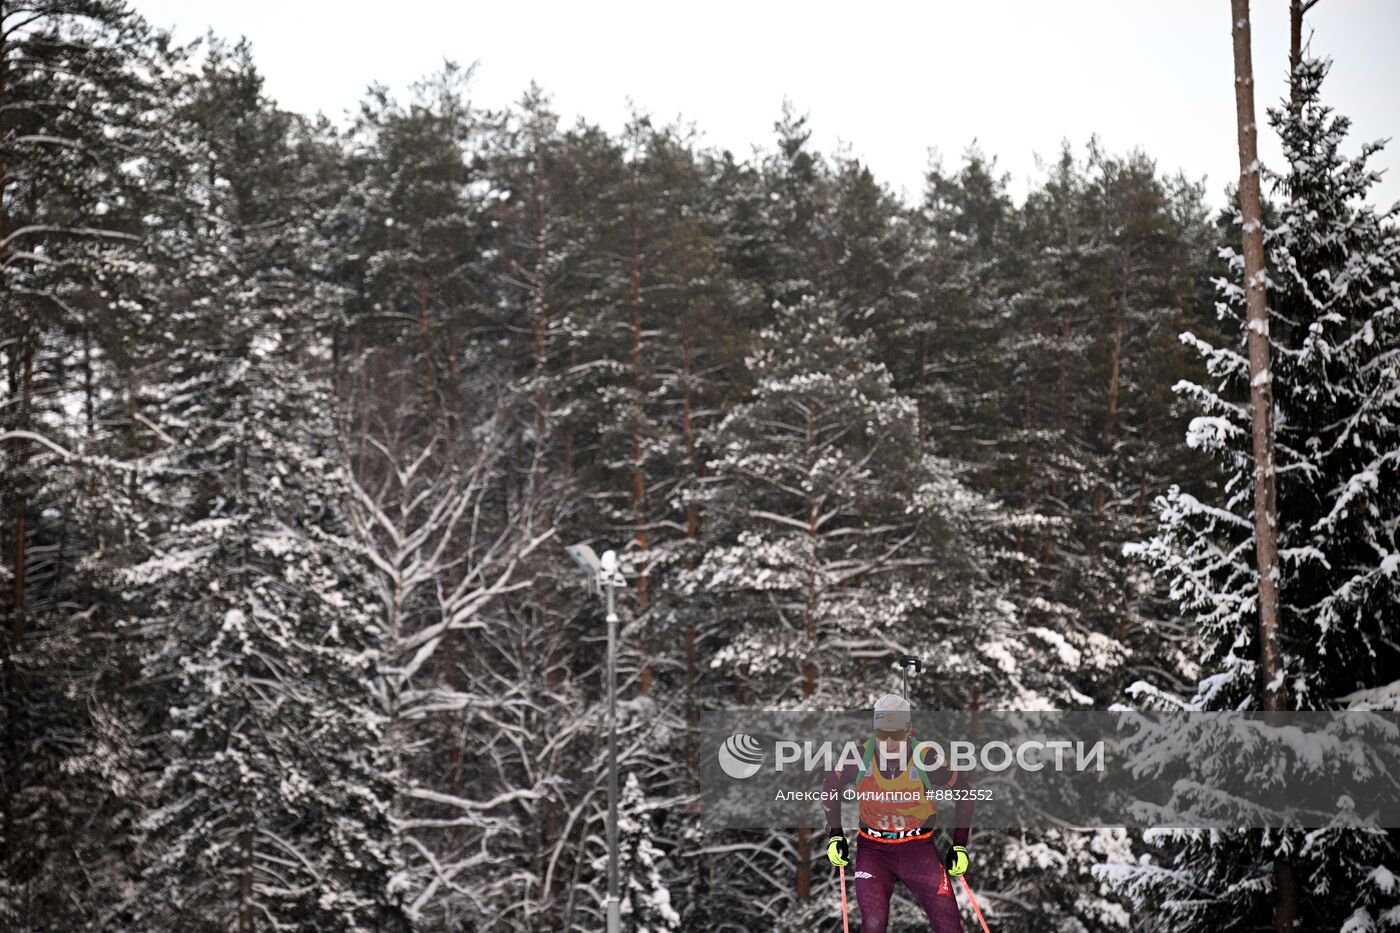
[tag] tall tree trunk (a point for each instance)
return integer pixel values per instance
(1115, 380)
(541, 395)
(541, 324)
(692, 512)
(1116, 374)
(1296, 11)
(809, 667)
(22, 503)
(1261, 377)
(1261, 405)
(639, 476)
(133, 438)
(568, 432)
(25, 381)
(425, 339)
(8, 775)
(241, 484)
(89, 388)
(452, 369)
(923, 384)
(692, 531)
(245, 877)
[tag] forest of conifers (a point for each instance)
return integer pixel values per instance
(296, 419)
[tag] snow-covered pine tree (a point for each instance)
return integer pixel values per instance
(874, 258)
(807, 473)
(1143, 237)
(683, 298)
(967, 226)
(788, 252)
(837, 543)
(655, 346)
(1334, 328)
(416, 228)
(270, 808)
(542, 261)
(77, 88)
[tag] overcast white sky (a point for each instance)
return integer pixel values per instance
(893, 81)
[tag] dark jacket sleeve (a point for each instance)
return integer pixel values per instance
(835, 780)
(962, 822)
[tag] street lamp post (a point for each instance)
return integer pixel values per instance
(614, 906)
(605, 577)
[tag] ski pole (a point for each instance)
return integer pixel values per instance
(846, 917)
(975, 909)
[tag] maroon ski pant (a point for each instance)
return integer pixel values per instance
(916, 863)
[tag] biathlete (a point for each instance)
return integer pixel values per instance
(897, 822)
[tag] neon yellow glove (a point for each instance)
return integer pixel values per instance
(957, 860)
(838, 851)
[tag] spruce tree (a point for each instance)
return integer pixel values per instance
(1333, 318)
(269, 807)
(646, 900)
(78, 82)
